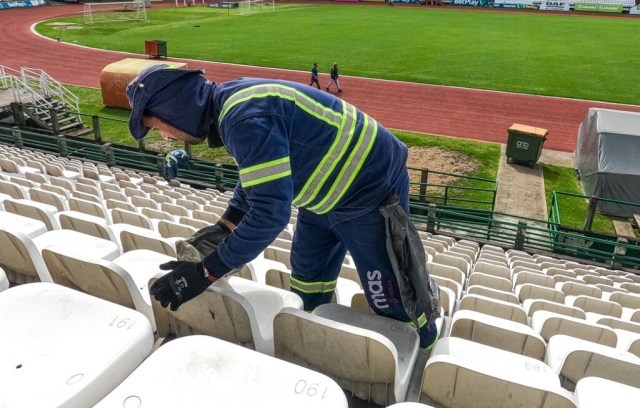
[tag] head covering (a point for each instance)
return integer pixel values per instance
(178, 97)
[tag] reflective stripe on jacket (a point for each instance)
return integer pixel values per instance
(296, 145)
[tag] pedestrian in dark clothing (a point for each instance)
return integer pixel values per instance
(314, 76)
(334, 77)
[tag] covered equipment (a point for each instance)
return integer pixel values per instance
(606, 159)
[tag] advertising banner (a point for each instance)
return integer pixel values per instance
(472, 3)
(635, 10)
(494, 3)
(555, 6)
(599, 7)
(16, 4)
(224, 4)
(509, 5)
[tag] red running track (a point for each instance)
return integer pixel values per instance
(440, 110)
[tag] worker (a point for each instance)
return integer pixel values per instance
(294, 146)
(172, 161)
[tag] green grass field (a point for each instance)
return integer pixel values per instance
(573, 56)
(562, 55)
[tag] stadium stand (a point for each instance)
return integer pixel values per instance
(526, 329)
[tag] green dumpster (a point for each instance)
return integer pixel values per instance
(524, 143)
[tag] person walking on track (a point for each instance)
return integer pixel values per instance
(314, 76)
(335, 77)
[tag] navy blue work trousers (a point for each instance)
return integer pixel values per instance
(318, 251)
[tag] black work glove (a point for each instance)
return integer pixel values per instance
(185, 281)
(203, 242)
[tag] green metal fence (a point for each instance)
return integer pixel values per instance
(464, 191)
(483, 225)
(510, 231)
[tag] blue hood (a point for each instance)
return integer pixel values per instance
(181, 98)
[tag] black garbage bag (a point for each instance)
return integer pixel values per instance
(418, 291)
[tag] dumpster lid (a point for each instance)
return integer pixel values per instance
(530, 130)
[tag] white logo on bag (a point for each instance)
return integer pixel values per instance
(376, 289)
(522, 145)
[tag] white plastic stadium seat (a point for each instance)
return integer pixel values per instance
(464, 374)
(133, 237)
(33, 209)
(28, 226)
(202, 371)
(362, 361)
(87, 224)
(549, 324)
(404, 337)
(4, 281)
(22, 256)
(574, 359)
(122, 281)
(233, 309)
(63, 348)
(593, 392)
(496, 332)
(494, 307)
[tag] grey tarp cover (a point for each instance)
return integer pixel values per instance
(607, 158)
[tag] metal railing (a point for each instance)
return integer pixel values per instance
(6, 77)
(40, 83)
(529, 235)
(591, 205)
(37, 88)
(506, 230)
(462, 193)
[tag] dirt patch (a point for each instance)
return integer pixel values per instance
(160, 146)
(436, 159)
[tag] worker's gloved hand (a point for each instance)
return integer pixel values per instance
(185, 281)
(202, 243)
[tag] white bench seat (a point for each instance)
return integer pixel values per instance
(202, 371)
(63, 348)
(574, 359)
(464, 374)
